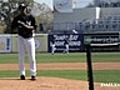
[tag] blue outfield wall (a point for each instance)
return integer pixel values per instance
(75, 42)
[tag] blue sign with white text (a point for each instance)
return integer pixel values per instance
(75, 42)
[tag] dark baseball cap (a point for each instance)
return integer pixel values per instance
(22, 6)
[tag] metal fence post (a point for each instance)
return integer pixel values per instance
(89, 67)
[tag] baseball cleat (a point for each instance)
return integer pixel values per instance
(22, 77)
(33, 78)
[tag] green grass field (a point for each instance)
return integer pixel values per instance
(99, 75)
(106, 76)
(45, 58)
(60, 57)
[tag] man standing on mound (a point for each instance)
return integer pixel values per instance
(25, 24)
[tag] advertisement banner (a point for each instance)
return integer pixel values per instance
(75, 42)
(105, 38)
(63, 6)
(5, 43)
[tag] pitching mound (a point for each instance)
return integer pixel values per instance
(42, 83)
(45, 83)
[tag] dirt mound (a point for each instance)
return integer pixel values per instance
(46, 83)
(42, 83)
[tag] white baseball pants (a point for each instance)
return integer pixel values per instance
(53, 48)
(29, 44)
(67, 48)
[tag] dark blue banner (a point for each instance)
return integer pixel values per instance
(75, 42)
(102, 38)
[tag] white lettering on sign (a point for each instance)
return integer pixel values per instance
(75, 43)
(57, 37)
(59, 43)
(73, 37)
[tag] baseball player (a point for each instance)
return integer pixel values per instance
(66, 50)
(53, 48)
(25, 24)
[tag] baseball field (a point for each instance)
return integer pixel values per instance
(62, 72)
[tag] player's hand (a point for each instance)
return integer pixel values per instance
(28, 27)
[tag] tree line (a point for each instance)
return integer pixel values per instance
(8, 10)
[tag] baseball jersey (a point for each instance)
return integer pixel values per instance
(66, 42)
(22, 30)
